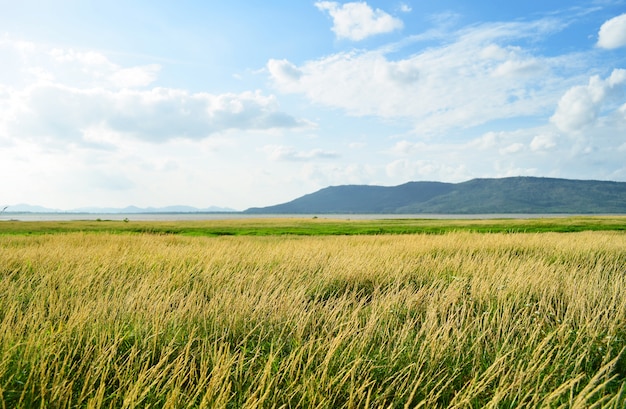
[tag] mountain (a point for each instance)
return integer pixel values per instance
(360, 199)
(25, 208)
(167, 209)
(477, 196)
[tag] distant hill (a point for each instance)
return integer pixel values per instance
(167, 209)
(25, 208)
(477, 196)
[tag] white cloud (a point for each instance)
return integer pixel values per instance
(494, 52)
(89, 58)
(20, 45)
(97, 67)
(582, 105)
(331, 174)
(518, 67)
(357, 20)
(283, 70)
(576, 109)
(527, 141)
(470, 80)
(135, 76)
(83, 97)
(357, 145)
(486, 141)
(543, 142)
(613, 33)
(28, 63)
(287, 153)
(408, 148)
(512, 148)
(405, 8)
(512, 61)
(498, 144)
(61, 112)
(440, 170)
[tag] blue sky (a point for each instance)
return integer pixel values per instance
(240, 104)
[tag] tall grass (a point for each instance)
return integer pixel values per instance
(458, 320)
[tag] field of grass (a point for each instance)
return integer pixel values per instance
(320, 226)
(137, 318)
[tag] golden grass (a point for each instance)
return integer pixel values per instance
(456, 320)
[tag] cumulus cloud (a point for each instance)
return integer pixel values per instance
(357, 20)
(500, 143)
(473, 78)
(57, 111)
(408, 148)
(582, 105)
(576, 109)
(82, 96)
(543, 142)
(283, 70)
(287, 153)
(613, 33)
(486, 141)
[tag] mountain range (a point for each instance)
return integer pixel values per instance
(534, 195)
(530, 195)
(25, 208)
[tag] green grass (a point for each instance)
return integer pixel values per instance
(321, 227)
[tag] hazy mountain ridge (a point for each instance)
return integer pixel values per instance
(26, 208)
(476, 196)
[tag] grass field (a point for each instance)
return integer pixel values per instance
(320, 226)
(244, 314)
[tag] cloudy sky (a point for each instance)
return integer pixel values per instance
(240, 103)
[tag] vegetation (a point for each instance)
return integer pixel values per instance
(319, 226)
(454, 320)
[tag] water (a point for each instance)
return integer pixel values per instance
(235, 216)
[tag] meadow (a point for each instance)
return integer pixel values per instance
(449, 314)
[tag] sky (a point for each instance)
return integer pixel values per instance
(244, 104)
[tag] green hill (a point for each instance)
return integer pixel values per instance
(477, 196)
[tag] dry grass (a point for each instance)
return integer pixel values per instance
(458, 320)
